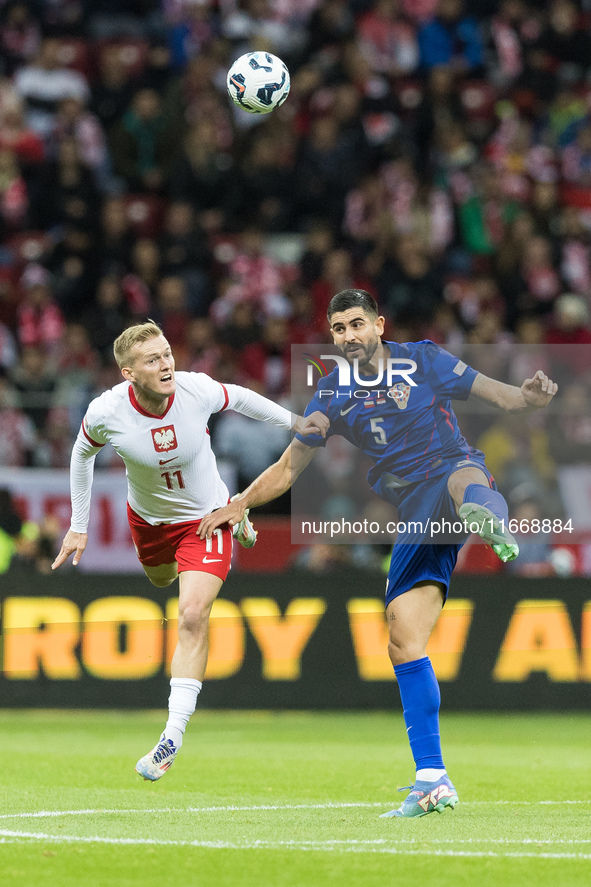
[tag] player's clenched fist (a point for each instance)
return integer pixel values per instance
(315, 423)
(74, 543)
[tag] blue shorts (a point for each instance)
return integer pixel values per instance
(418, 504)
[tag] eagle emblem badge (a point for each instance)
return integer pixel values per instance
(164, 439)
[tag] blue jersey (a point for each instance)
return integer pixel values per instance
(411, 432)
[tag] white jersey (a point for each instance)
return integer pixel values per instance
(171, 470)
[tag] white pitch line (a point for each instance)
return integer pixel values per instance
(231, 808)
(46, 814)
(329, 846)
(378, 845)
(234, 808)
(336, 805)
(302, 844)
(530, 803)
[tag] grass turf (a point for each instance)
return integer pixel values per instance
(290, 799)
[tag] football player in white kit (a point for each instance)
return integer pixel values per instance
(157, 421)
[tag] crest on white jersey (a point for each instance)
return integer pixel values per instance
(164, 439)
(399, 394)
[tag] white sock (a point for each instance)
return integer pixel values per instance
(181, 705)
(430, 774)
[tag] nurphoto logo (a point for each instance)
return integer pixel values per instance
(399, 367)
(394, 368)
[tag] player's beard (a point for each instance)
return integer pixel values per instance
(361, 353)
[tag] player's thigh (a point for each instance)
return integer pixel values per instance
(459, 480)
(204, 556)
(413, 615)
(162, 575)
(197, 592)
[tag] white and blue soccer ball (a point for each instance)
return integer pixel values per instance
(258, 82)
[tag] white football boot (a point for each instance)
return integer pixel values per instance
(155, 764)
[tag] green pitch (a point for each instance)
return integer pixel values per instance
(287, 800)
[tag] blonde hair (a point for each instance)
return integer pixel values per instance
(140, 332)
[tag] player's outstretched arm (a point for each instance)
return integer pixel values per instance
(74, 543)
(252, 404)
(269, 485)
(256, 406)
(534, 394)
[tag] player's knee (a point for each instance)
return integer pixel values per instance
(161, 583)
(162, 576)
(194, 619)
(394, 652)
(460, 480)
(401, 651)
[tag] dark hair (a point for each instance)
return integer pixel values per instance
(353, 299)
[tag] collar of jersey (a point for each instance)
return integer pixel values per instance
(140, 409)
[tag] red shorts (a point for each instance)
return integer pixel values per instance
(168, 543)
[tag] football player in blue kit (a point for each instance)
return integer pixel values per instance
(422, 465)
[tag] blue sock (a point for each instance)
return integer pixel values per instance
(481, 495)
(419, 692)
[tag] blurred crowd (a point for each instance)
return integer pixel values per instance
(25, 543)
(434, 152)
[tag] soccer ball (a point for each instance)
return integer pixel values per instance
(258, 82)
